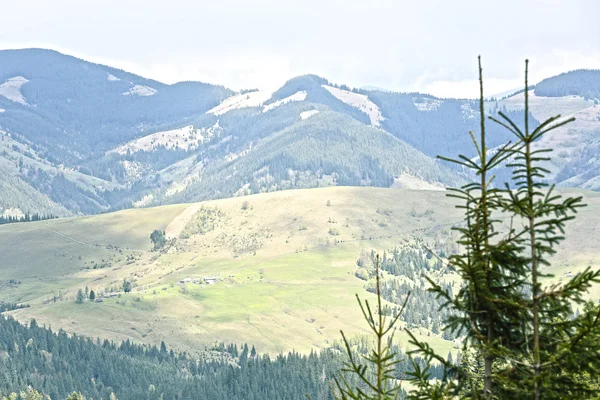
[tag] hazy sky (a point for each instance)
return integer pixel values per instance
(422, 45)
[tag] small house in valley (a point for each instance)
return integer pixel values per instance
(210, 280)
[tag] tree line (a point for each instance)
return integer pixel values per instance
(56, 364)
(27, 217)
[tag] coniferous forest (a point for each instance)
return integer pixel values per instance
(57, 364)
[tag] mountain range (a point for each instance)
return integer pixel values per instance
(84, 138)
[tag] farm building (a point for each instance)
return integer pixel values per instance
(210, 279)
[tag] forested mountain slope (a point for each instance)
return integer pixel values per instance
(72, 108)
(575, 159)
(84, 138)
(583, 82)
(57, 365)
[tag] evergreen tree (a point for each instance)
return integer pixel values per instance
(80, 297)
(374, 374)
(30, 394)
(158, 239)
(127, 286)
(528, 341)
(92, 295)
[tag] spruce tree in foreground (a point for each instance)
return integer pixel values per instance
(521, 335)
(372, 376)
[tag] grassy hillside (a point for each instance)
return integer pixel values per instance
(285, 264)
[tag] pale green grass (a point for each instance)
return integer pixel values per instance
(294, 291)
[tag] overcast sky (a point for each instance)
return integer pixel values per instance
(421, 45)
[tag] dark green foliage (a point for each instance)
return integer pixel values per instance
(16, 192)
(58, 364)
(581, 82)
(523, 336)
(26, 218)
(127, 286)
(11, 306)
(423, 308)
(80, 297)
(158, 239)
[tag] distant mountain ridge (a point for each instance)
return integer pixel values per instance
(78, 137)
(84, 99)
(581, 82)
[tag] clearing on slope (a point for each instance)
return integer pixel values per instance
(140, 90)
(11, 89)
(308, 114)
(543, 108)
(575, 145)
(298, 96)
(359, 101)
(186, 138)
(244, 100)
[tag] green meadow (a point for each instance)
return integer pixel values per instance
(284, 264)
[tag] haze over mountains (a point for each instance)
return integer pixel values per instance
(78, 137)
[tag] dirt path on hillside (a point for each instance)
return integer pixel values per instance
(70, 238)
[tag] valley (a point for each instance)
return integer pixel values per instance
(286, 266)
